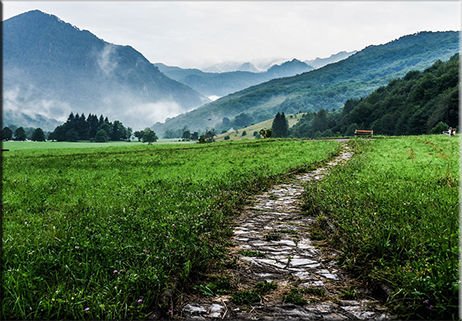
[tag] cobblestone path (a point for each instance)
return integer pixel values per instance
(275, 230)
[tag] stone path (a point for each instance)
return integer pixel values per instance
(275, 231)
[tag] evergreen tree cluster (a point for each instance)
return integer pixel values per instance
(280, 126)
(78, 127)
(412, 105)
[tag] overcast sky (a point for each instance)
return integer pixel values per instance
(202, 33)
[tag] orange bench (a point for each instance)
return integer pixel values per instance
(364, 132)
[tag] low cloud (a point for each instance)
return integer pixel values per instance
(20, 101)
(213, 97)
(106, 60)
(145, 115)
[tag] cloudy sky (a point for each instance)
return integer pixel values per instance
(202, 33)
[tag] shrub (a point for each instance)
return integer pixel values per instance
(439, 128)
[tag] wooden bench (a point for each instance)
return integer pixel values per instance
(364, 132)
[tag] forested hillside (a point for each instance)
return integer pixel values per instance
(328, 87)
(418, 103)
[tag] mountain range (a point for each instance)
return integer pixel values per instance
(222, 84)
(263, 65)
(51, 68)
(219, 84)
(326, 88)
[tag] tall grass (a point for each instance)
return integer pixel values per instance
(395, 207)
(111, 233)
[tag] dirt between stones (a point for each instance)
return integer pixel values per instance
(272, 244)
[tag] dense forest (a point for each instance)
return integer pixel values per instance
(412, 105)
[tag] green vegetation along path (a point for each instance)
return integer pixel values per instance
(278, 273)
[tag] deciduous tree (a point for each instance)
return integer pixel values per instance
(20, 134)
(186, 135)
(38, 135)
(138, 134)
(72, 135)
(266, 132)
(101, 136)
(7, 133)
(149, 136)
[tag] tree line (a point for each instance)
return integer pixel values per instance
(78, 127)
(21, 134)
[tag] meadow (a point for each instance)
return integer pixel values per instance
(22, 145)
(117, 232)
(394, 209)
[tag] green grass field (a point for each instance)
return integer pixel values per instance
(26, 145)
(395, 207)
(101, 233)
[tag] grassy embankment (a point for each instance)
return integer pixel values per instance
(395, 208)
(104, 232)
(249, 130)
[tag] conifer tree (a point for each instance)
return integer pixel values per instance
(280, 126)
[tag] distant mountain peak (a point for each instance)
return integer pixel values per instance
(247, 66)
(321, 62)
(294, 61)
(289, 68)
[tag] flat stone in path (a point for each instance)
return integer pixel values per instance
(290, 260)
